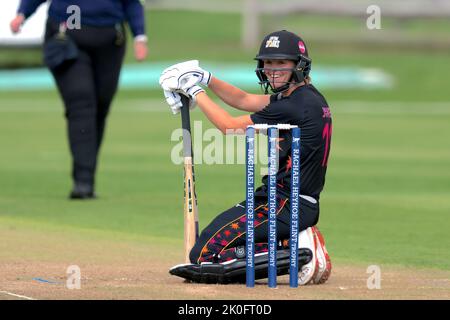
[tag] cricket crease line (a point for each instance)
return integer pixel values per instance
(17, 295)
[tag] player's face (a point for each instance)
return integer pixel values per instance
(275, 73)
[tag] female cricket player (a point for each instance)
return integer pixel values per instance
(283, 66)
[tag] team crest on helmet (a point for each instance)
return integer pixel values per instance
(273, 42)
(301, 46)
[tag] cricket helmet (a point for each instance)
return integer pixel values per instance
(283, 45)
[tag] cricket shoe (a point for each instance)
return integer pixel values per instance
(82, 191)
(308, 272)
(323, 258)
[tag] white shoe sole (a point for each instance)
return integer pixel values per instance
(309, 271)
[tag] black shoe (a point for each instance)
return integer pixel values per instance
(82, 191)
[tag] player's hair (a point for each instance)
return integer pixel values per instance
(308, 79)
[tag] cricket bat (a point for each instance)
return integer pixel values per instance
(190, 197)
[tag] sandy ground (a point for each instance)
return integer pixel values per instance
(33, 265)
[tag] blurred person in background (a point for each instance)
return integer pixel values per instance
(85, 62)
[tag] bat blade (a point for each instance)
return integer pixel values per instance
(190, 209)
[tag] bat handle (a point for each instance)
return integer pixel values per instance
(186, 126)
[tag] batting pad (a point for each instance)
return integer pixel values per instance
(234, 272)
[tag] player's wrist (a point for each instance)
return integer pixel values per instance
(193, 91)
(206, 78)
(141, 38)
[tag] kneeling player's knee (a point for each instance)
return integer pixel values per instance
(197, 254)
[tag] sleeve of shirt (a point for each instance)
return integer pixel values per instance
(134, 13)
(28, 7)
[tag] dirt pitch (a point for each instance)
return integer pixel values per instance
(33, 265)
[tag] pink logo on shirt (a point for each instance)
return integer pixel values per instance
(326, 112)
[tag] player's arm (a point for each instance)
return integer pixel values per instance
(219, 117)
(183, 75)
(238, 98)
(25, 10)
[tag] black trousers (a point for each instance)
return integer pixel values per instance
(218, 241)
(87, 87)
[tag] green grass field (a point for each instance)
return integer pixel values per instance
(386, 199)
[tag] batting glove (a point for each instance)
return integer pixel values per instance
(193, 91)
(184, 75)
(173, 99)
